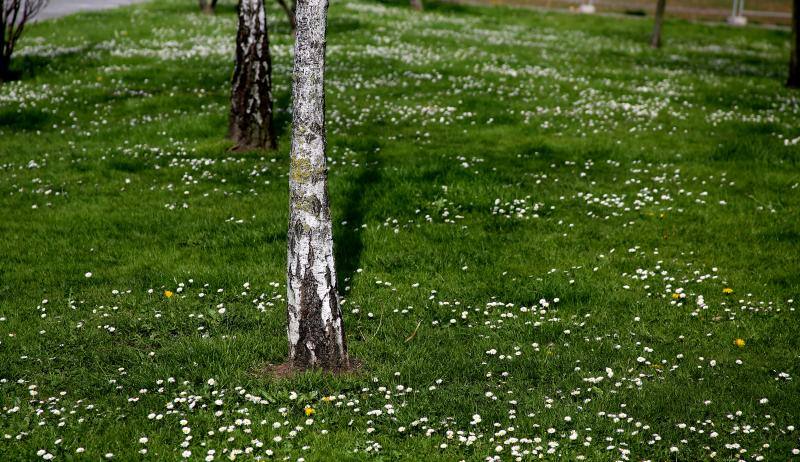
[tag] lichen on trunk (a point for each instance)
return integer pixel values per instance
(315, 328)
(250, 123)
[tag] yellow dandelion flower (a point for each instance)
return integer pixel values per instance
(739, 342)
(168, 293)
(676, 296)
(727, 290)
(309, 410)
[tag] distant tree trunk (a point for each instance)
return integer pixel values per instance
(291, 11)
(655, 41)
(416, 4)
(794, 59)
(14, 15)
(5, 57)
(5, 65)
(208, 6)
(250, 124)
(315, 327)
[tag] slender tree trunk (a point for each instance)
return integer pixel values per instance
(290, 13)
(655, 41)
(4, 62)
(794, 59)
(416, 4)
(315, 328)
(250, 124)
(5, 68)
(208, 6)
(6, 46)
(14, 15)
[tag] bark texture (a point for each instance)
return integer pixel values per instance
(250, 124)
(290, 9)
(794, 59)
(655, 41)
(208, 6)
(315, 328)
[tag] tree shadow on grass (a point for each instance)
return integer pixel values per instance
(227, 8)
(26, 67)
(436, 6)
(176, 8)
(23, 119)
(349, 239)
(339, 25)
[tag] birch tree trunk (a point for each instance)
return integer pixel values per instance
(794, 58)
(655, 41)
(315, 328)
(250, 123)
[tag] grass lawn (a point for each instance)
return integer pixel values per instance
(538, 224)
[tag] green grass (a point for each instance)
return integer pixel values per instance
(644, 175)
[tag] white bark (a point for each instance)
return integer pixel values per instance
(315, 329)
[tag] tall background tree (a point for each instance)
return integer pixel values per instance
(290, 8)
(655, 40)
(208, 6)
(14, 15)
(416, 4)
(794, 58)
(250, 124)
(315, 327)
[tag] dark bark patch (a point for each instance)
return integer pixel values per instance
(317, 344)
(250, 124)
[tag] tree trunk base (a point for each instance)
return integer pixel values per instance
(5, 71)
(10, 76)
(288, 370)
(245, 147)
